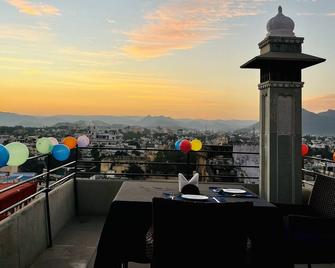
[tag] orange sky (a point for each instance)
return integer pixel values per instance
(174, 58)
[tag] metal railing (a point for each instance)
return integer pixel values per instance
(314, 167)
(190, 166)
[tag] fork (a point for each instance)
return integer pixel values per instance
(170, 195)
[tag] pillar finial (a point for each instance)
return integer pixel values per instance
(280, 10)
(280, 25)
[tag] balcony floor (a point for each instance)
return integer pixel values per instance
(74, 246)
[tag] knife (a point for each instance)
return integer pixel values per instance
(244, 195)
(217, 201)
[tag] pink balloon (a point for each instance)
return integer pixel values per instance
(83, 141)
(53, 140)
(185, 146)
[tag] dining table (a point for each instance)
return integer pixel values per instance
(130, 216)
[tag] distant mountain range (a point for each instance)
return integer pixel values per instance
(13, 119)
(312, 123)
(322, 124)
(318, 124)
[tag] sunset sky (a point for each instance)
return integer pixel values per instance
(152, 57)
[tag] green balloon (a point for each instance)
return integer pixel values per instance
(44, 145)
(18, 153)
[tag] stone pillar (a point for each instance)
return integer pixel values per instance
(280, 141)
(281, 61)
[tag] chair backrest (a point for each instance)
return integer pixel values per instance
(199, 234)
(190, 189)
(322, 199)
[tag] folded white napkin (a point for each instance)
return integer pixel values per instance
(183, 181)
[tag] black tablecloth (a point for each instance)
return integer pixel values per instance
(129, 218)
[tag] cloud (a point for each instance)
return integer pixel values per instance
(331, 14)
(93, 58)
(320, 103)
(185, 24)
(38, 9)
(21, 61)
(24, 33)
(110, 21)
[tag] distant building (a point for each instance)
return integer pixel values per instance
(18, 177)
(4, 138)
(105, 137)
(8, 169)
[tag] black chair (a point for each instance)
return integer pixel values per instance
(311, 228)
(190, 189)
(199, 234)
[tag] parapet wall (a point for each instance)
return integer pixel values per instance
(24, 236)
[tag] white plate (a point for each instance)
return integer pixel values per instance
(194, 197)
(234, 191)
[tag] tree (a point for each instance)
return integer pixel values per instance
(34, 165)
(120, 154)
(135, 169)
(95, 153)
(172, 157)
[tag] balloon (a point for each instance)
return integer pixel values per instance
(334, 156)
(18, 153)
(185, 146)
(177, 144)
(196, 145)
(44, 145)
(70, 142)
(60, 152)
(4, 156)
(304, 149)
(83, 141)
(53, 140)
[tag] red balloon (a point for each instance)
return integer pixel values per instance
(304, 149)
(185, 146)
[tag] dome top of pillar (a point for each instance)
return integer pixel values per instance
(280, 25)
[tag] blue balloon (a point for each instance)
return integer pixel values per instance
(4, 156)
(60, 152)
(177, 144)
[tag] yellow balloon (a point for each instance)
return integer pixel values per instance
(196, 145)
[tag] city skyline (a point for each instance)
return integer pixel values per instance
(138, 57)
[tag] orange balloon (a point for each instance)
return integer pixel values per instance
(334, 156)
(70, 142)
(304, 149)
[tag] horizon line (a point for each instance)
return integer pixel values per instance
(148, 115)
(111, 115)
